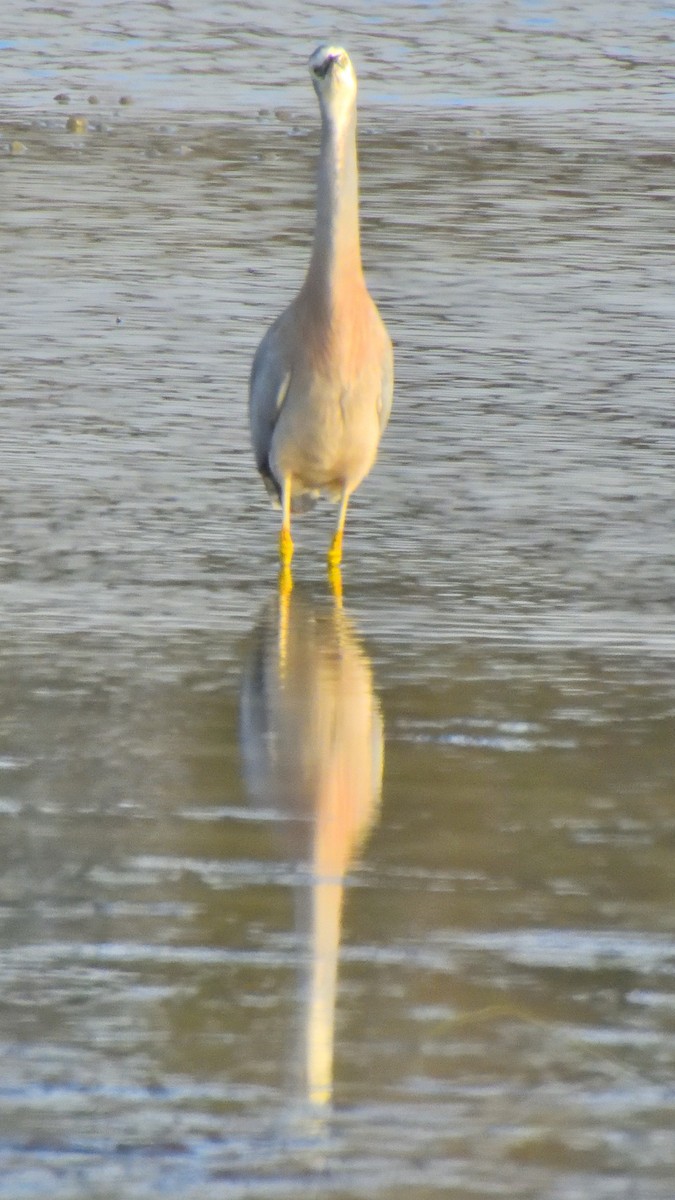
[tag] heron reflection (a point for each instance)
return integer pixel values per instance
(312, 745)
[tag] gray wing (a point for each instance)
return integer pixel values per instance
(268, 387)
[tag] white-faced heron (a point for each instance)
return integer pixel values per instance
(322, 378)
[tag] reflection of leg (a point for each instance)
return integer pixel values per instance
(335, 552)
(335, 580)
(285, 580)
(285, 589)
(285, 539)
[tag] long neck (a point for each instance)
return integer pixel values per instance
(336, 253)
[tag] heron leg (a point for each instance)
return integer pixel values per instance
(335, 552)
(285, 539)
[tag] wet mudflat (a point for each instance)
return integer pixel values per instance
(297, 899)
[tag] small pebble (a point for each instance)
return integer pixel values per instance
(62, 98)
(76, 124)
(126, 100)
(93, 100)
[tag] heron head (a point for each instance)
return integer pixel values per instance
(333, 77)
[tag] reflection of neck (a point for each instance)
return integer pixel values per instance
(322, 987)
(336, 253)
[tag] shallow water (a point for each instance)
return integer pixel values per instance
(305, 901)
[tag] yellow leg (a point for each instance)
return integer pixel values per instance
(285, 539)
(335, 552)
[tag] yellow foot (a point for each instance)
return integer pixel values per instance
(285, 547)
(335, 552)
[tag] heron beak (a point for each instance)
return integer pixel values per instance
(323, 70)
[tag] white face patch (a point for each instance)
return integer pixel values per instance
(322, 59)
(334, 80)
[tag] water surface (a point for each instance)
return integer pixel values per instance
(304, 900)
